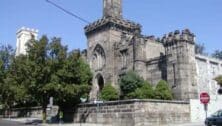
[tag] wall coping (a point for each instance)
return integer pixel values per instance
(32, 108)
(208, 58)
(132, 101)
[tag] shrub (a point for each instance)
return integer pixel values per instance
(144, 92)
(163, 91)
(129, 83)
(219, 80)
(109, 93)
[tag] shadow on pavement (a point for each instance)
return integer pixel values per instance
(33, 122)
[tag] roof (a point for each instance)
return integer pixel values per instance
(125, 24)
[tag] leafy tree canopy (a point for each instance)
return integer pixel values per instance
(217, 54)
(8, 91)
(57, 73)
(6, 55)
(48, 70)
(200, 49)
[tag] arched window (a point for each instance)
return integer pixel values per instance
(98, 58)
(123, 59)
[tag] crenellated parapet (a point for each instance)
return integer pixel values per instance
(31, 30)
(107, 22)
(177, 36)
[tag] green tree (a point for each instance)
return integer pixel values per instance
(219, 80)
(9, 91)
(200, 49)
(69, 81)
(129, 83)
(48, 70)
(37, 61)
(217, 54)
(6, 56)
(56, 73)
(162, 91)
(1, 76)
(19, 80)
(144, 92)
(109, 93)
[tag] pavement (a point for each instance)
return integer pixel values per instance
(187, 124)
(11, 123)
(37, 122)
(25, 121)
(75, 124)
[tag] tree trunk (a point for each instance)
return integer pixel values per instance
(44, 107)
(44, 114)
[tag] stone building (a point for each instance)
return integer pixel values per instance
(116, 45)
(23, 35)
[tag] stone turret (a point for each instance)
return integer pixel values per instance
(176, 36)
(103, 37)
(23, 35)
(112, 8)
(181, 70)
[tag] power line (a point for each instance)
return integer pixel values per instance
(68, 12)
(72, 14)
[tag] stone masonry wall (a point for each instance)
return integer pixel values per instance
(207, 69)
(34, 112)
(134, 113)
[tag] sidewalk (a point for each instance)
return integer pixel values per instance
(22, 120)
(75, 124)
(87, 124)
(37, 120)
(187, 124)
(31, 120)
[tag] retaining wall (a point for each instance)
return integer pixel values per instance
(134, 112)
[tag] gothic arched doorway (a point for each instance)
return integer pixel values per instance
(100, 82)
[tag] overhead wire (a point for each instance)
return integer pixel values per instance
(71, 13)
(85, 21)
(68, 12)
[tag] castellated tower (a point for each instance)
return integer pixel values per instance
(23, 36)
(181, 68)
(104, 36)
(112, 8)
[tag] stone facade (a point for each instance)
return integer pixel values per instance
(134, 113)
(23, 35)
(116, 45)
(207, 69)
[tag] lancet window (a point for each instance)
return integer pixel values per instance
(98, 58)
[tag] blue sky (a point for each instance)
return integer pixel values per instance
(157, 17)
